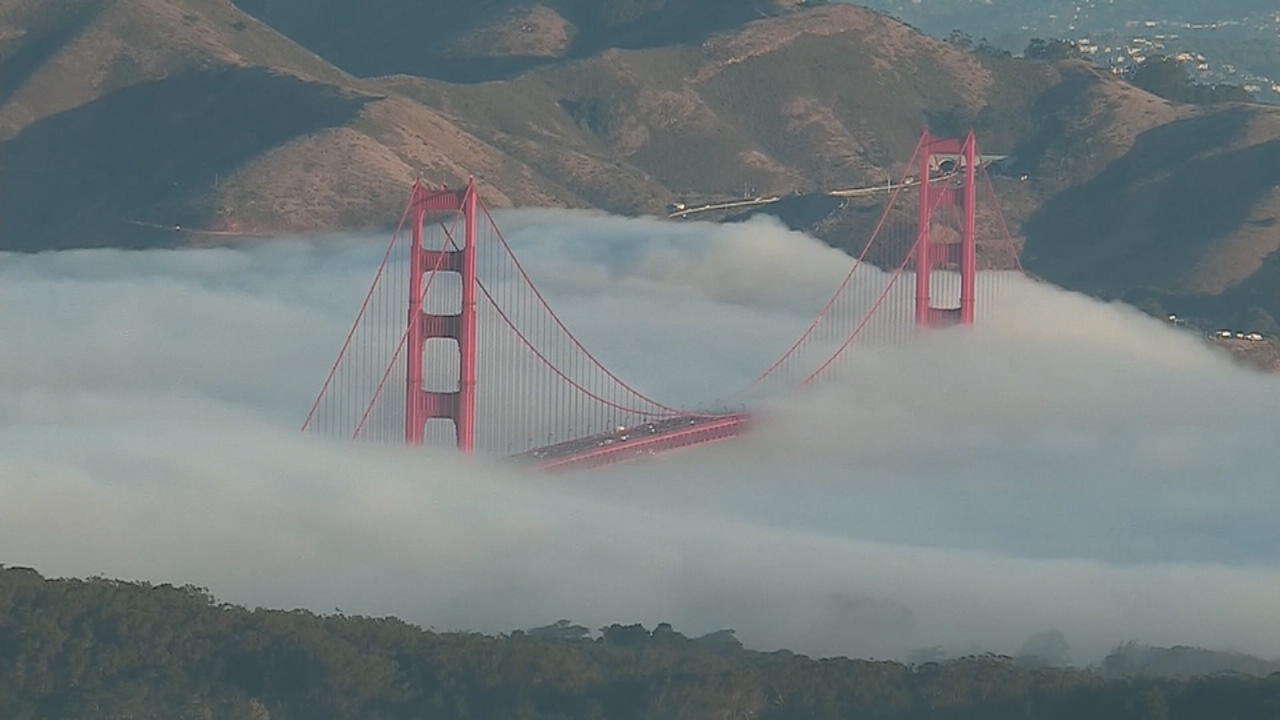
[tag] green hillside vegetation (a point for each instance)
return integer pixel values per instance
(1132, 659)
(94, 649)
(1171, 79)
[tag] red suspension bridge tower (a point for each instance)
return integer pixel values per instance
(420, 403)
(938, 189)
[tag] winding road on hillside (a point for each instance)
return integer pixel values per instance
(681, 211)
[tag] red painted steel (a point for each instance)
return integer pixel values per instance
(708, 431)
(969, 242)
(421, 404)
(927, 254)
(924, 252)
(465, 412)
(414, 421)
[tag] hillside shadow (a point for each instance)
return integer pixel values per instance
(18, 67)
(1253, 305)
(1150, 213)
(1049, 120)
(407, 37)
(672, 24)
(149, 154)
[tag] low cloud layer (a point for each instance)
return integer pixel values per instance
(1066, 464)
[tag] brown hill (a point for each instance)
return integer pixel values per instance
(119, 118)
(773, 106)
(58, 55)
(493, 39)
(1187, 220)
(123, 116)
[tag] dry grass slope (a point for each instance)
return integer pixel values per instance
(196, 112)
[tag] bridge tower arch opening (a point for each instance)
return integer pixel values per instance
(943, 161)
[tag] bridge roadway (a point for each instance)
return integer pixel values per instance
(772, 199)
(630, 443)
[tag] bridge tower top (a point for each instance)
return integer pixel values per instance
(939, 189)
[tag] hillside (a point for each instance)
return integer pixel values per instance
(81, 649)
(772, 107)
(495, 39)
(164, 138)
(121, 119)
(1190, 217)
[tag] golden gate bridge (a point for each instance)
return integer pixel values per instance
(480, 360)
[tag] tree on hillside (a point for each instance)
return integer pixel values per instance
(1219, 93)
(960, 39)
(1169, 78)
(81, 649)
(1053, 50)
(1045, 649)
(986, 48)
(1165, 77)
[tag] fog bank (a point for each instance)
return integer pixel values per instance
(1065, 464)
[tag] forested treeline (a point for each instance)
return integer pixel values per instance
(101, 649)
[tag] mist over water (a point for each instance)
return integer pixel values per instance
(1065, 464)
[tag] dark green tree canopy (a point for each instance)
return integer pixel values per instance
(98, 649)
(1170, 79)
(1039, 49)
